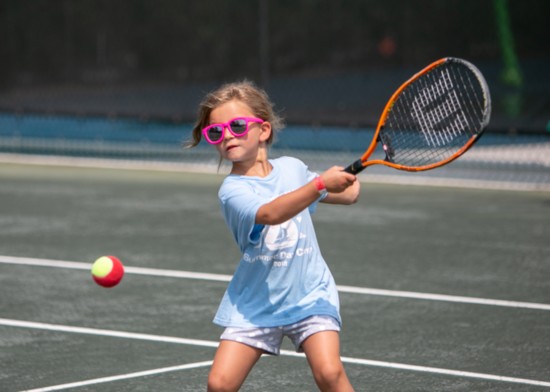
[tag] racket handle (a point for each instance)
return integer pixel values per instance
(355, 167)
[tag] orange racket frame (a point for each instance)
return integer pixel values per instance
(363, 162)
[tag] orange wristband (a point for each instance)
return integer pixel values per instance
(319, 184)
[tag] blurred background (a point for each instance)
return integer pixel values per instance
(123, 79)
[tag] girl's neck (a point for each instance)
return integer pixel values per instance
(260, 167)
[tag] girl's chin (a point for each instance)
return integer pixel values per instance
(234, 155)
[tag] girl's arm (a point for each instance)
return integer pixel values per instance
(291, 204)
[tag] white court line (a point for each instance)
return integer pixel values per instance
(107, 332)
(121, 377)
(447, 372)
(227, 278)
(206, 343)
(443, 297)
(426, 369)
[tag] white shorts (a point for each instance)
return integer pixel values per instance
(270, 339)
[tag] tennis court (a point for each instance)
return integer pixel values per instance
(443, 274)
(441, 288)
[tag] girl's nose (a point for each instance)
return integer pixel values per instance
(227, 132)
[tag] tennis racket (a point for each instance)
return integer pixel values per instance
(432, 119)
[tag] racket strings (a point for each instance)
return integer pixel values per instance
(435, 116)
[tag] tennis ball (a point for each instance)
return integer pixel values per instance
(107, 271)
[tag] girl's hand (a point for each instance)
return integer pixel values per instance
(336, 180)
(344, 187)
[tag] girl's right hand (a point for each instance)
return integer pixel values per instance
(336, 180)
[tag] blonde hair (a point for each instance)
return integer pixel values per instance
(246, 92)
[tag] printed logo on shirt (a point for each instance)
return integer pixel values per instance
(282, 236)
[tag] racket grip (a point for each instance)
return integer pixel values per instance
(355, 167)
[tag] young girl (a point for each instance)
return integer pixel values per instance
(282, 286)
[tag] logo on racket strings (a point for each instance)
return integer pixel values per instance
(438, 112)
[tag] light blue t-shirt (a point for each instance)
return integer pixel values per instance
(281, 277)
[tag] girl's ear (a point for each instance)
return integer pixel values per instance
(265, 132)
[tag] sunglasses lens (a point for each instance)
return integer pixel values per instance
(215, 133)
(238, 127)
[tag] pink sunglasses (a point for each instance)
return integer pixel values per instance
(215, 133)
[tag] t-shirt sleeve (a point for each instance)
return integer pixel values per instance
(240, 204)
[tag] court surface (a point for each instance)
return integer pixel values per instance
(441, 289)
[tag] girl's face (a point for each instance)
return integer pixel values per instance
(242, 148)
